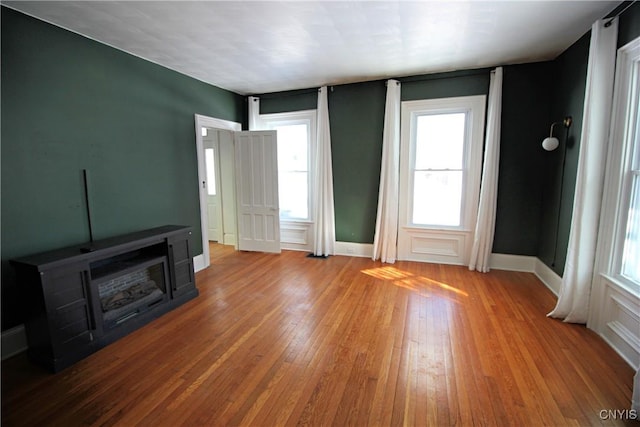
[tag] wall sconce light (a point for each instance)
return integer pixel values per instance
(551, 142)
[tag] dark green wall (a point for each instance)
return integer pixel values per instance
(356, 114)
(526, 93)
(445, 85)
(569, 73)
(295, 100)
(69, 104)
(629, 23)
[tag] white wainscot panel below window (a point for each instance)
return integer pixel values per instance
(620, 323)
(446, 247)
(296, 235)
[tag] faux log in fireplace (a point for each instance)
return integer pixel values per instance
(84, 297)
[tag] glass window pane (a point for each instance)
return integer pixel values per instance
(440, 141)
(294, 139)
(437, 198)
(211, 171)
(292, 147)
(631, 254)
(293, 188)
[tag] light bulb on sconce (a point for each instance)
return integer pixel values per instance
(551, 142)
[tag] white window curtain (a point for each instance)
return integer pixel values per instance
(254, 113)
(573, 302)
(486, 221)
(324, 229)
(386, 234)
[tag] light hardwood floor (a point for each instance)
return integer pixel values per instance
(286, 339)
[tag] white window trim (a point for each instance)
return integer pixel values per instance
(443, 244)
(619, 161)
(268, 121)
(615, 300)
(473, 106)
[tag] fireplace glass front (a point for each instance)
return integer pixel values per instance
(131, 287)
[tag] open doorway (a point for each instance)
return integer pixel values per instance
(217, 134)
(220, 186)
(245, 211)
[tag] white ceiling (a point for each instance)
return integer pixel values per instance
(269, 46)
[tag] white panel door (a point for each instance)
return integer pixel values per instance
(257, 191)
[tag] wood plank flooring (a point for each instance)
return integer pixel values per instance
(290, 340)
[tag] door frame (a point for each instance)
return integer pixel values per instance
(202, 261)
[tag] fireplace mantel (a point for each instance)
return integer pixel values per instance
(65, 291)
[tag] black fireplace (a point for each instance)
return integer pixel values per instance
(128, 286)
(81, 300)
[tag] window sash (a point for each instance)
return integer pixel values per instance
(291, 205)
(454, 212)
(437, 185)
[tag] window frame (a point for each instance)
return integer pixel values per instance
(308, 117)
(623, 159)
(474, 109)
(629, 166)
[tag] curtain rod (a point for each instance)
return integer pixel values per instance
(611, 18)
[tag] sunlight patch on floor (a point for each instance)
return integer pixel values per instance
(422, 285)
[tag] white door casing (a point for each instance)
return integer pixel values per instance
(257, 191)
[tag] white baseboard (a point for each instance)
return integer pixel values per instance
(528, 264)
(512, 262)
(198, 263)
(547, 276)
(14, 341)
(363, 250)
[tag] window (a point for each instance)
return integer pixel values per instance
(443, 160)
(211, 171)
(629, 234)
(440, 165)
(615, 293)
(621, 200)
(296, 140)
(438, 169)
